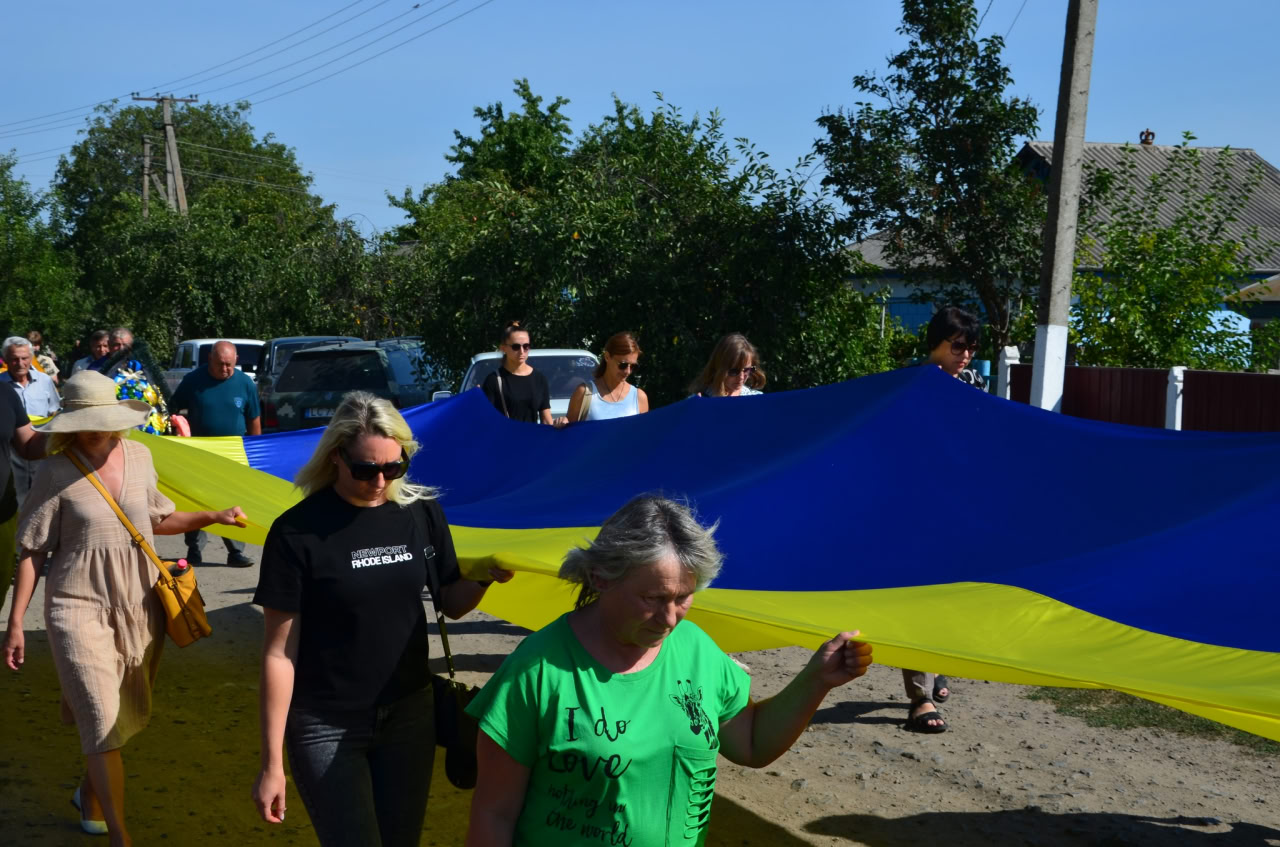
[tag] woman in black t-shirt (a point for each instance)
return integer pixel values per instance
(515, 388)
(345, 684)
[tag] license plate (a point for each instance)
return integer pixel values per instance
(319, 413)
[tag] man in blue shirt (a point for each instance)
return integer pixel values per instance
(39, 398)
(219, 401)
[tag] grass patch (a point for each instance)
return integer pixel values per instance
(1123, 711)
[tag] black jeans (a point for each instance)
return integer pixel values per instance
(364, 774)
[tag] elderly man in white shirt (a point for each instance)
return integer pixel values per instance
(39, 397)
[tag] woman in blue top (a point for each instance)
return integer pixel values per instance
(604, 726)
(609, 394)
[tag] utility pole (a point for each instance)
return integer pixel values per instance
(1049, 366)
(177, 193)
(146, 177)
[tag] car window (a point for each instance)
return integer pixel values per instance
(247, 356)
(184, 354)
(410, 366)
(564, 373)
(357, 370)
(284, 352)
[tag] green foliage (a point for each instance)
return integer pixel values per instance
(930, 164)
(39, 279)
(649, 223)
(1265, 344)
(1166, 262)
(258, 255)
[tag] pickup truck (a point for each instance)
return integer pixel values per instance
(194, 353)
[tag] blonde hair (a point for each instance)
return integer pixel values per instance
(59, 441)
(362, 413)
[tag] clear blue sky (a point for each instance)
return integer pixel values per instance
(770, 68)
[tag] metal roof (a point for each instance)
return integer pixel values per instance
(1263, 210)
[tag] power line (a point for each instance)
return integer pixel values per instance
(1015, 19)
(165, 85)
(22, 156)
(270, 44)
(322, 170)
(370, 58)
(252, 182)
(984, 15)
(16, 133)
(343, 56)
(291, 46)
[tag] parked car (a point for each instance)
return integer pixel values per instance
(309, 389)
(277, 351)
(565, 371)
(194, 353)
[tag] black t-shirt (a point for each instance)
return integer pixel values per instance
(525, 396)
(12, 418)
(355, 577)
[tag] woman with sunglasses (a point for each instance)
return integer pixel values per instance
(345, 685)
(952, 338)
(732, 371)
(516, 389)
(609, 394)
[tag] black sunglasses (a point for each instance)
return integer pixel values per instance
(366, 471)
(628, 366)
(518, 347)
(958, 347)
(747, 371)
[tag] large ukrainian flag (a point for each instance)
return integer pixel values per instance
(960, 532)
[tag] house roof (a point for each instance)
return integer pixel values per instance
(1263, 210)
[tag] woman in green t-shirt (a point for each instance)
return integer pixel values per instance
(603, 727)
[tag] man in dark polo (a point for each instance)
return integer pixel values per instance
(16, 438)
(219, 401)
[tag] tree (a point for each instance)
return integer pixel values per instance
(649, 223)
(39, 279)
(1167, 261)
(930, 165)
(258, 254)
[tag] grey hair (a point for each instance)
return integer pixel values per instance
(641, 533)
(13, 341)
(121, 332)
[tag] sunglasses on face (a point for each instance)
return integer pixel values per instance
(958, 347)
(518, 347)
(367, 471)
(628, 366)
(747, 371)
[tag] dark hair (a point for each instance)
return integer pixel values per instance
(35, 337)
(732, 351)
(513, 327)
(950, 322)
(99, 335)
(619, 344)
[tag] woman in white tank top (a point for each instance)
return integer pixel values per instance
(609, 394)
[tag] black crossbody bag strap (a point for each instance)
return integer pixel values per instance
(422, 517)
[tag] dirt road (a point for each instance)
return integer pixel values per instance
(1009, 772)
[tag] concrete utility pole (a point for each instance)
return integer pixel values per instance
(1049, 366)
(177, 193)
(146, 177)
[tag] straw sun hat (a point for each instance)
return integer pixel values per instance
(89, 405)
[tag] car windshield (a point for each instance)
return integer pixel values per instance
(564, 373)
(285, 350)
(357, 370)
(247, 355)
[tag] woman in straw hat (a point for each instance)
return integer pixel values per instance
(105, 624)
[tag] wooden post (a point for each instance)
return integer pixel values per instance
(176, 195)
(1004, 372)
(146, 176)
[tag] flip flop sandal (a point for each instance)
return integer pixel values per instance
(920, 722)
(940, 682)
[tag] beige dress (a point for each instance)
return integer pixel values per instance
(105, 623)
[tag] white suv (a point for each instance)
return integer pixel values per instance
(565, 371)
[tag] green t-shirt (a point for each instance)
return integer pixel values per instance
(616, 759)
